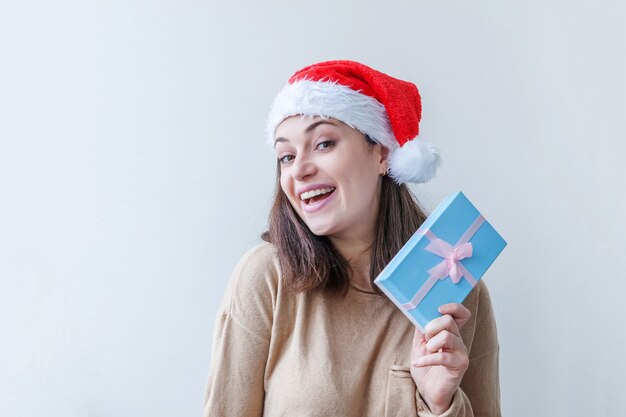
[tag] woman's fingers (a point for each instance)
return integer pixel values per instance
(441, 343)
(454, 316)
(446, 341)
(440, 324)
(447, 359)
(444, 349)
(458, 311)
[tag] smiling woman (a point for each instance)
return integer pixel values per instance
(342, 223)
(301, 329)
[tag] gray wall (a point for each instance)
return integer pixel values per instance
(134, 174)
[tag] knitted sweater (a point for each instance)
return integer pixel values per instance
(277, 354)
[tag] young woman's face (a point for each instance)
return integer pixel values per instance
(331, 175)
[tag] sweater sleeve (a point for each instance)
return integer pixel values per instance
(241, 339)
(479, 392)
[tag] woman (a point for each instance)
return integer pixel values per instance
(301, 330)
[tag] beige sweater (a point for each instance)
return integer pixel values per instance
(276, 354)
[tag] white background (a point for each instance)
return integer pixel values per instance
(134, 174)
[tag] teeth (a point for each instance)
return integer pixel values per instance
(312, 193)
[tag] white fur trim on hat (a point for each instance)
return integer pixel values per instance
(330, 99)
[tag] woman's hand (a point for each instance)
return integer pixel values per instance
(439, 357)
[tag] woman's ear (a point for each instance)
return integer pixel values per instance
(384, 152)
(384, 160)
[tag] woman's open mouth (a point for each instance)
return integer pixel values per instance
(314, 199)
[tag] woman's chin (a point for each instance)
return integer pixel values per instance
(320, 229)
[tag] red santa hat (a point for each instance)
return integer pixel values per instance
(386, 109)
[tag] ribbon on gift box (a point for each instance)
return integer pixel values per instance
(451, 265)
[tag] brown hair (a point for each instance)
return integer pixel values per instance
(309, 262)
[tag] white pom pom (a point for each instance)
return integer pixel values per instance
(415, 162)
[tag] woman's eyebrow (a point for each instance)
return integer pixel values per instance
(281, 139)
(316, 124)
(307, 130)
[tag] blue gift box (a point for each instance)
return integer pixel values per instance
(442, 262)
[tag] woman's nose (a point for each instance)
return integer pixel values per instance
(302, 167)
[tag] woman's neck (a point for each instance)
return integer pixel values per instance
(357, 252)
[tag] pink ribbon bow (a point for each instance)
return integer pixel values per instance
(451, 264)
(451, 257)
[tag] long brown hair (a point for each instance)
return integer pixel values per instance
(310, 262)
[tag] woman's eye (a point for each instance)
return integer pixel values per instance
(326, 144)
(285, 159)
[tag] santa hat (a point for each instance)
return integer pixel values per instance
(386, 109)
